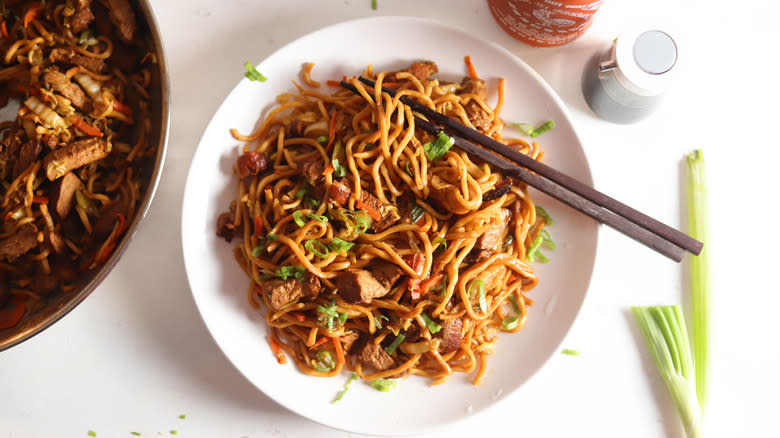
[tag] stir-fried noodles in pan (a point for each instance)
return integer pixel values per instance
(70, 161)
(374, 245)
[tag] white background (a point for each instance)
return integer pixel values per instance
(136, 355)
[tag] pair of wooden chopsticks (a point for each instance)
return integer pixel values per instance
(640, 227)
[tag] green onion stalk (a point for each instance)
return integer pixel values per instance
(698, 227)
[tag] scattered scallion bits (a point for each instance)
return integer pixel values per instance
(432, 325)
(340, 395)
(416, 212)
(323, 139)
(135, 433)
(510, 323)
(338, 170)
(252, 74)
(515, 304)
(294, 271)
(541, 212)
(182, 416)
(338, 245)
(91, 433)
(316, 217)
(373, 5)
(298, 218)
(570, 352)
(174, 432)
(317, 248)
(384, 385)
(325, 362)
(396, 342)
(437, 148)
(528, 129)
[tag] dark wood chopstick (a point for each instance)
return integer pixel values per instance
(620, 213)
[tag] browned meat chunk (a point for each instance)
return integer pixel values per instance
(61, 84)
(339, 192)
(80, 20)
(451, 335)
(474, 86)
(386, 273)
(281, 292)
(478, 255)
(478, 116)
(312, 285)
(422, 70)
(348, 340)
(23, 240)
(313, 170)
(495, 233)
(76, 154)
(498, 191)
(9, 146)
(123, 17)
(108, 217)
(225, 226)
(44, 283)
(28, 154)
(71, 57)
(358, 285)
(375, 356)
(388, 213)
(250, 163)
(63, 193)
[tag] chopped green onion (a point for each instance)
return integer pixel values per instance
(316, 217)
(362, 222)
(313, 203)
(373, 4)
(85, 36)
(408, 170)
(528, 129)
(273, 237)
(338, 245)
(182, 416)
(378, 320)
(416, 212)
(338, 170)
(329, 311)
(298, 218)
(396, 342)
(543, 213)
(547, 240)
(174, 432)
(663, 328)
(510, 323)
(91, 433)
(136, 433)
(698, 227)
(438, 240)
(437, 148)
(351, 379)
(433, 327)
(286, 272)
(317, 248)
(384, 385)
(570, 352)
(547, 126)
(252, 74)
(257, 251)
(302, 191)
(322, 139)
(533, 253)
(343, 317)
(325, 361)
(515, 304)
(480, 284)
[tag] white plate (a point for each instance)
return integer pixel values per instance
(219, 286)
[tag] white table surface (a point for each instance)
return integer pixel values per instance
(136, 354)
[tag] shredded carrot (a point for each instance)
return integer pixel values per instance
(426, 285)
(332, 130)
(31, 14)
(102, 257)
(319, 342)
(328, 170)
(339, 350)
(87, 264)
(277, 350)
(5, 30)
(368, 209)
(10, 316)
(333, 83)
(258, 225)
(85, 127)
(122, 108)
(470, 67)
(298, 316)
(259, 289)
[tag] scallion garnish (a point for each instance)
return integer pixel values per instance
(351, 379)
(663, 328)
(544, 215)
(433, 327)
(298, 218)
(91, 433)
(378, 320)
(698, 227)
(329, 311)
(302, 191)
(480, 285)
(338, 170)
(325, 362)
(316, 217)
(437, 148)
(258, 250)
(343, 317)
(396, 342)
(174, 432)
(528, 129)
(252, 74)
(515, 304)
(317, 248)
(136, 433)
(373, 5)
(570, 352)
(294, 271)
(510, 323)
(416, 212)
(313, 203)
(533, 253)
(322, 139)
(438, 240)
(85, 36)
(182, 417)
(338, 245)
(384, 385)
